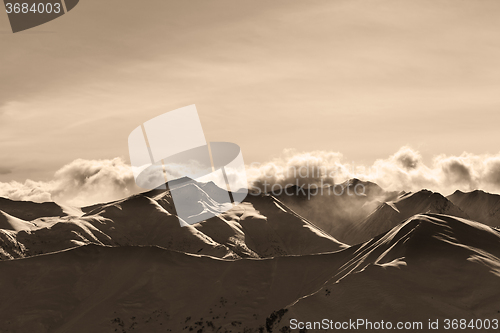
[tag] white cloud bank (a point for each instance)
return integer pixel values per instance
(80, 183)
(405, 170)
(85, 182)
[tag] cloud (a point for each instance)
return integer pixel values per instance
(407, 158)
(404, 170)
(457, 170)
(86, 182)
(28, 191)
(297, 168)
(89, 181)
(80, 183)
(492, 174)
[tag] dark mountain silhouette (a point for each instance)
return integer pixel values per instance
(27, 210)
(429, 267)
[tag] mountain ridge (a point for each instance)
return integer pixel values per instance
(147, 288)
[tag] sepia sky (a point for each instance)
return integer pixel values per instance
(360, 77)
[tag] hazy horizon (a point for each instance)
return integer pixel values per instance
(85, 182)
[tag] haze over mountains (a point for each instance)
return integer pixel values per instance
(479, 205)
(391, 213)
(129, 266)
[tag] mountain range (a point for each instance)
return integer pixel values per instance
(129, 266)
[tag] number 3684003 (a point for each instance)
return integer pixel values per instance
(40, 8)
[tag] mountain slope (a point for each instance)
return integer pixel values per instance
(149, 289)
(391, 213)
(429, 267)
(12, 223)
(27, 210)
(479, 205)
(336, 209)
(433, 267)
(268, 228)
(259, 227)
